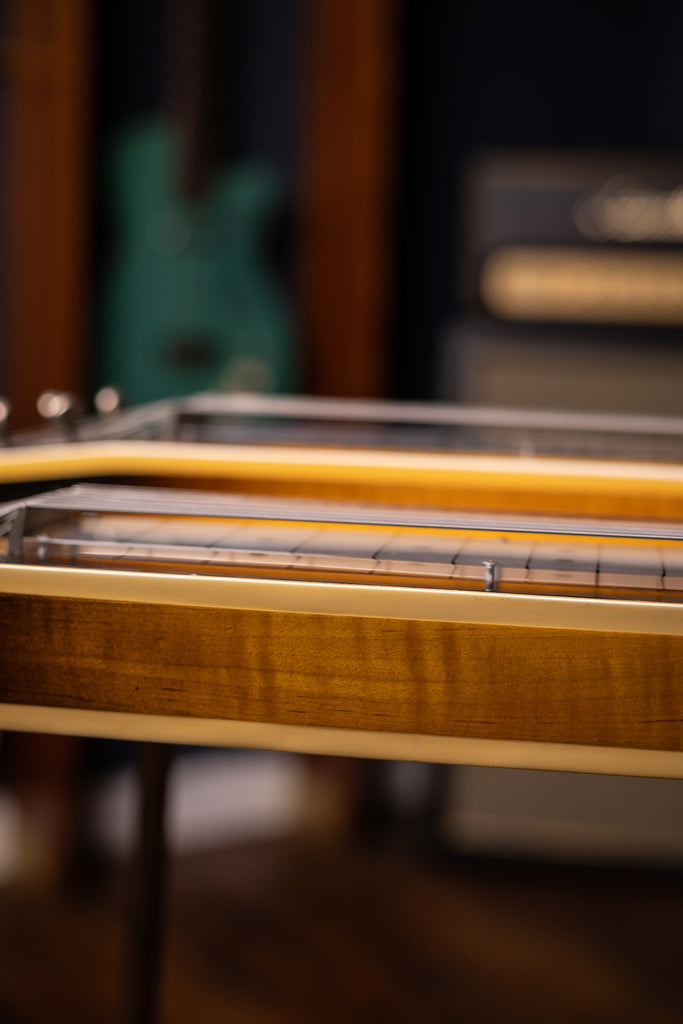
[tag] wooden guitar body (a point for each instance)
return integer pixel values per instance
(409, 630)
(479, 679)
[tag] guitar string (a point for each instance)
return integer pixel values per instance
(131, 501)
(392, 555)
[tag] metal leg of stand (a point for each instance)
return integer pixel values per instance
(148, 889)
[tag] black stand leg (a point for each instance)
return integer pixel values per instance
(147, 891)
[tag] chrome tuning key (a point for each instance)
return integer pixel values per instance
(5, 410)
(60, 408)
(108, 401)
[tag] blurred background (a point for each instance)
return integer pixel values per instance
(480, 202)
(387, 198)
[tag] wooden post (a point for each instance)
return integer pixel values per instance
(46, 65)
(346, 193)
(147, 893)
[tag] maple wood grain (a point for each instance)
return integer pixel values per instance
(343, 671)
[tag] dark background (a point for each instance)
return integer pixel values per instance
(470, 77)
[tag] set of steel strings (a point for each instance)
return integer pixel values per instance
(156, 530)
(351, 423)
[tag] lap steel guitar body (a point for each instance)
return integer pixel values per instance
(435, 583)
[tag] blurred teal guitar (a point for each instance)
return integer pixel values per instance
(191, 303)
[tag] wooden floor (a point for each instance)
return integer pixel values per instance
(305, 931)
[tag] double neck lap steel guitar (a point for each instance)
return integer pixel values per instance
(440, 583)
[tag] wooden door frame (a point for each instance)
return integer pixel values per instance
(46, 58)
(346, 194)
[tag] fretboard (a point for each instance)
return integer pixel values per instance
(154, 530)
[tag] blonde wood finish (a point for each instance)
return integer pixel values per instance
(377, 662)
(215, 732)
(500, 483)
(367, 673)
(339, 599)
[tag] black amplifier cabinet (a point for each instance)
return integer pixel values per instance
(572, 282)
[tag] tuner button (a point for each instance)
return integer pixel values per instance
(108, 401)
(59, 407)
(5, 410)
(56, 405)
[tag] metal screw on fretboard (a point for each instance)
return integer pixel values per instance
(490, 576)
(108, 401)
(5, 409)
(60, 408)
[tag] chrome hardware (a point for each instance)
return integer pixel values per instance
(108, 401)
(5, 409)
(490, 576)
(60, 407)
